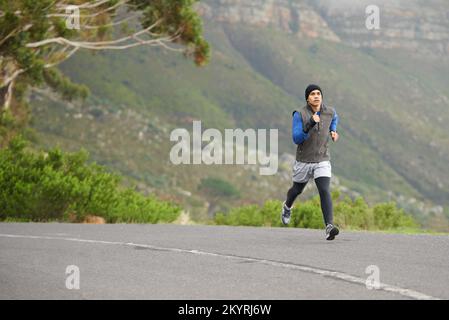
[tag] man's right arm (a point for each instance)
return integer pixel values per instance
(299, 136)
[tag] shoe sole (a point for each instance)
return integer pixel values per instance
(332, 234)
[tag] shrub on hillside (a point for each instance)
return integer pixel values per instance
(38, 186)
(353, 214)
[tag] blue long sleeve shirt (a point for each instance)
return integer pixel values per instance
(334, 122)
(299, 136)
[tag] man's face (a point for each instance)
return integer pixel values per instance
(315, 98)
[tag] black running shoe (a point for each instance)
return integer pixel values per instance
(331, 232)
(285, 214)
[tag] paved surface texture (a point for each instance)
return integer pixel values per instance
(168, 261)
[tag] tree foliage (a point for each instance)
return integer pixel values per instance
(37, 35)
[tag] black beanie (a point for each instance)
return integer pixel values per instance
(312, 87)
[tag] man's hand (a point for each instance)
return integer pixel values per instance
(312, 122)
(334, 136)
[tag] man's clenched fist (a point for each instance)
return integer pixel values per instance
(334, 136)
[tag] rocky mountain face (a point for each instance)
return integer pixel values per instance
(420, 27)
(296, 17)
(417, 26)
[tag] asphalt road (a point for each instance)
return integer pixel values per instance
(217, 262)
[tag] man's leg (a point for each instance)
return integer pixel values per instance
(323, 185)
(322, 174)
(293, 192)
(301, 175)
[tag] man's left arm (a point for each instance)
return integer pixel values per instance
(333, 126)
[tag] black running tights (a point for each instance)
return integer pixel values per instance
(323, 185)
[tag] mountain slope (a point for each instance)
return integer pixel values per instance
(393, 139)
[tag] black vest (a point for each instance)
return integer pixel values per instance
(315, 148)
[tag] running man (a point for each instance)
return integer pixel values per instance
(312, 127)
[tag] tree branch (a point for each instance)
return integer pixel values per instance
(87, 5)
(12, 77)
(8, 96)
(110, 24)
(87, 44)
(49, 65)
(16, 31)
(67, 15)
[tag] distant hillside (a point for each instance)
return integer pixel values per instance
(394, 144)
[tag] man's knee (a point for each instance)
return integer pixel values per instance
(297, 187)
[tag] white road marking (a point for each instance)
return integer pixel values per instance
(332, 274)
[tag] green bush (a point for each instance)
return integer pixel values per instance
(250, 215)
(38, 186)
(351, 214)
(307, 215)
(354, 214)
(388, 216)
(270, 213)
